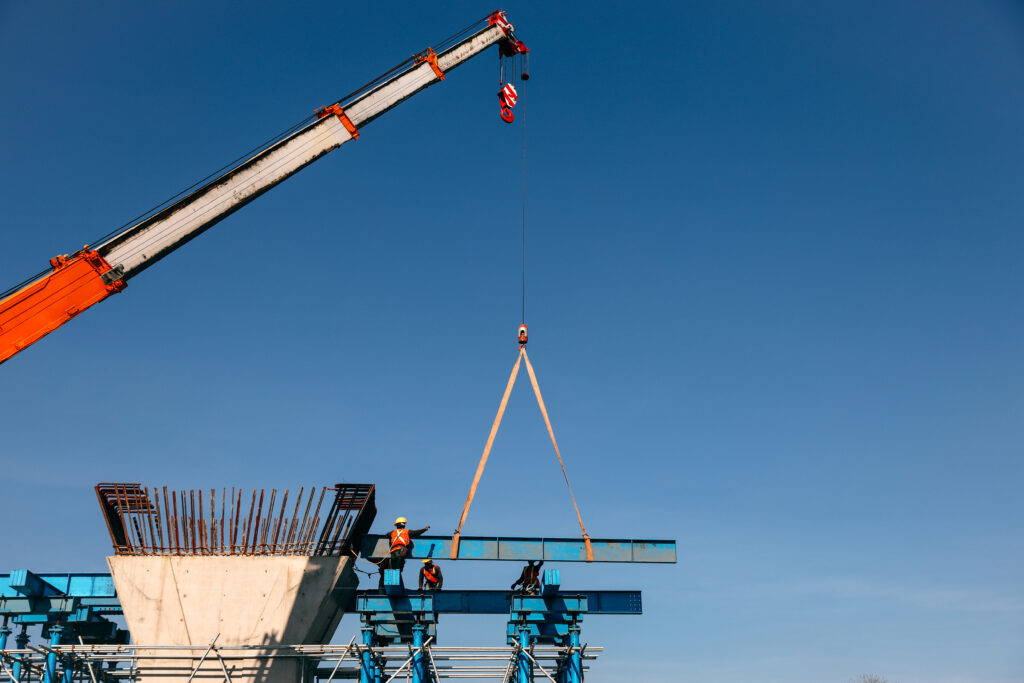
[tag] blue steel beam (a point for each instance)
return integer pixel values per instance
(496, 602)
(23, 592)
(521, 549)
(75, 585)
(31, 585)
(46, 607)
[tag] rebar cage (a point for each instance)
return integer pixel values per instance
(163, 522)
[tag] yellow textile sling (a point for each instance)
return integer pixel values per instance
(490, 442)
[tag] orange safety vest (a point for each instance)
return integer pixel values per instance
(399, 538)
(429, 573)
(531, 576)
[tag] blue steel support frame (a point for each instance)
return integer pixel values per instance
(50, 674)
(398, 616)
(20, 642)
(69, 670)
(524, 668)
(366, 657)
(519, 549)
(574, 669)
(25, 593)
(552, 617)
(419, 670)
(78, 602)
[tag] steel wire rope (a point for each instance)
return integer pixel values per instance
(523, 116)
(219, 172)
(24, 283)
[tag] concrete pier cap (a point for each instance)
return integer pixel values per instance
(254, 574)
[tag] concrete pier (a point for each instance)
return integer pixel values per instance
(262, 600)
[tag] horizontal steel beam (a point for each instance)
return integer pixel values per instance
(74, 585)
(49, 607)
(518, 549)
(499, 602)
(24, 594)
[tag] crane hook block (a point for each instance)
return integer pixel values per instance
(523, 338)
(507, 97)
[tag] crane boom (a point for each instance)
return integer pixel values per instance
(89, 276)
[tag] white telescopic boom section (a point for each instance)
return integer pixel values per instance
(146, 242)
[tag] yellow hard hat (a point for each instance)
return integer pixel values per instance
(427, 561)
(401, 520)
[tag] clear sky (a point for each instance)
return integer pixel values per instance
(774, 292)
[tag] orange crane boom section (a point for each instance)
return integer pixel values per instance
(74, 284)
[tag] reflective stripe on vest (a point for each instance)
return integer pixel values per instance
(399, 538)
(429, 573)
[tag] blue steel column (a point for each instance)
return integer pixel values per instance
(575, 664)
(69, 670)
(5, 631)
(50, 675)
(366, 665)
(524, 670)
(20, 641)
(418, 668)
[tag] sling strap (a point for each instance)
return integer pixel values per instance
(490, 442)
(487, 452)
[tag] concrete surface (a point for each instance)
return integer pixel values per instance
(188, 600)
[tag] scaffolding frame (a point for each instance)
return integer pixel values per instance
(318, 663)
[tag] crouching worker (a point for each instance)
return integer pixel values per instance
(530, 578)
(431, 578)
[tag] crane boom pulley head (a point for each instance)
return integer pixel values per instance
(517, 55)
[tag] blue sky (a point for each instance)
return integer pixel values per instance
(773, 294)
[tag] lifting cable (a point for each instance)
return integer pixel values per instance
(523, 117)
(490, 442)
(508, 97)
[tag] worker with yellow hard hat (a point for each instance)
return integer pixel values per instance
(400, 545)
(431, 578)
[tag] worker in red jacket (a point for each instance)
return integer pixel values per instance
(530, 578)
(400, 545)
(431, 578)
